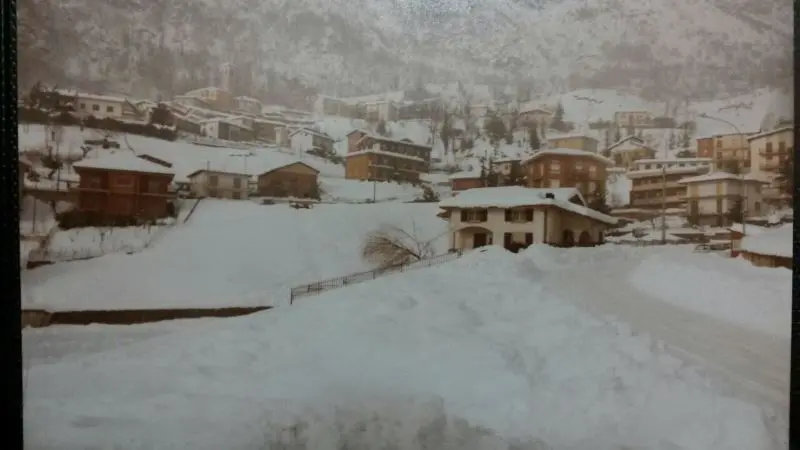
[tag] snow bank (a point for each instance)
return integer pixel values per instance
(231, 253)
(92, 242)
(732, 290)
(471, 354)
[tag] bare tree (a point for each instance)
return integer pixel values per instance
(391, 245)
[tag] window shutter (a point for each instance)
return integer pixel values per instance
(529, 215)
(528, 238)
(463, 215)
(508, 215)
(484, 215)
(507, 239)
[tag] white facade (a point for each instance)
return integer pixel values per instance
(650, 165)
(715, 194)
(505, 215)
(220, 185)
(102, 106)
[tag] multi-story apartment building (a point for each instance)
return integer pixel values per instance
(711, 198)
(378, 158)
(731, 152)
(574, 141)
(705, 147)
(565, 167)
(103, 106)
(656, 182)
(769, 153)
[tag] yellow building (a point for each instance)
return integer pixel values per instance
(574, 142)
(769, 151)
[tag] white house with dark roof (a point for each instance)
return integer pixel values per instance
(516, 217)
(303, 139)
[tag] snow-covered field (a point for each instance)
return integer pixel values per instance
(231, 253)
(93, 242)
(340, 190)
(474, 354)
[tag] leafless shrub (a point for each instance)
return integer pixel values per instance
(391, 245)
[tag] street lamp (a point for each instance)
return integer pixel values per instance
(740, 169)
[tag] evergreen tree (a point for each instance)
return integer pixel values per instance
(446, 132)
(533, 137)
(686, 139)
(495, 130)
(736, 210)
(785, 177)
(558, 118)
(516, 177)
(380, 128)
(599, 202)
(161, 115)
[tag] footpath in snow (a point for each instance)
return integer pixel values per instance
(478, 353)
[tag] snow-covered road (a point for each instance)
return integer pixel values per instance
(755, 365)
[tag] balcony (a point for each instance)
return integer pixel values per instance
(780, 153)
(656, 201)
(656, 186)
(771, 166)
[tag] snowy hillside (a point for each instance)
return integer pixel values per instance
(656, 46)
(231, 253)
(430, 359)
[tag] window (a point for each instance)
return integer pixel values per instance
(94, 182)
(519, 215)
(769, 147)
(83, 105)
(592, 186)
(578, 165)
(474, 215)
(555, 166)
(237, 182)
(592, 170)
(554, 183)
(213, 180)
(212, 192)
(109, 109)
(153, 186)
(95, 107)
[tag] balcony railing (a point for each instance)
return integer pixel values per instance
(655, 186)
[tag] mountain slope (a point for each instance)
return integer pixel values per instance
(346, 47)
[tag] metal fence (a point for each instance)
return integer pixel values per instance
(334, 283)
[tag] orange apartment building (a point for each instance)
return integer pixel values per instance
(378, 158)
(124, 184)
(730, 152)
(566, 167)
(652, 178)
(462, 181)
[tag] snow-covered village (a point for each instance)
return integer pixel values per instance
(429, 265)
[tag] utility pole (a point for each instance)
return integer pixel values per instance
(664, 204)
(742, 187)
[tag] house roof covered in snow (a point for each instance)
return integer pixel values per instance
(770, 133)
(269, 168)
(721, 176)
(772, 242)
(571, 135)
(632, 142)
(567, 152)
(378, 138)
(123, 161)
(517, 196)
(311, 132)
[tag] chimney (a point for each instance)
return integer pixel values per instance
(550, 195)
